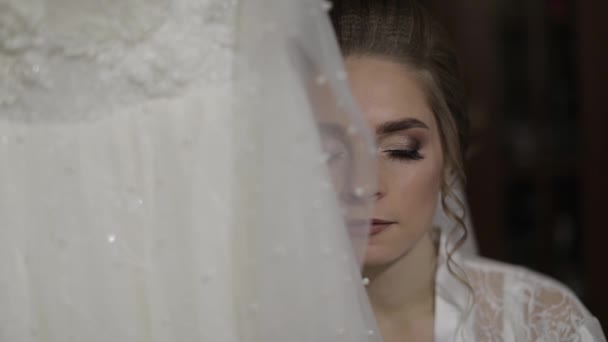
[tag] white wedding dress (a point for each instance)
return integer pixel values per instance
(164, 174)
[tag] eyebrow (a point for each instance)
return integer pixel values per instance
(399, 125)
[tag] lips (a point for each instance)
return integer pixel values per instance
(378, 226)
(362, 227)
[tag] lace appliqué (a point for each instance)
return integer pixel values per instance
(119, 51)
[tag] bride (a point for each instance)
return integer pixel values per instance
(422, 288)
(179, 170)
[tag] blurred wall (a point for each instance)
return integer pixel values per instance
(535, 71)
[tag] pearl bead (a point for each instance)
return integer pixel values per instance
(365, 281)
(359, 191)
(111, 238)
(327, 5)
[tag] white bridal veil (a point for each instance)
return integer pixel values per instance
(179, 170)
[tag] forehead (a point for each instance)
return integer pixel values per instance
(387, 91)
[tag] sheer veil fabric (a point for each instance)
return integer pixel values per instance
(179, 170)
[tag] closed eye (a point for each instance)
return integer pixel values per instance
(404, 154)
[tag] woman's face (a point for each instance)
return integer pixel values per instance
(410, 160)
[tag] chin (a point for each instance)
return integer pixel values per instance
(378, 255)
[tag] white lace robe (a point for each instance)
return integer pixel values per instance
(507, 303)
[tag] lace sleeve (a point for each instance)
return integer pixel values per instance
(591, 331)
(551, 313)
(515, 304)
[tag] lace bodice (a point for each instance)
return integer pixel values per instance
(115, 53)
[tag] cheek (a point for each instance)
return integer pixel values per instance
(411, 200)
(415, 192)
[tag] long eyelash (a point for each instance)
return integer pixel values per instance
(404, 154)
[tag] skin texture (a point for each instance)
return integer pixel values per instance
(400, 260)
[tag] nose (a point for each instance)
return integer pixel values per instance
(378, 195)
(360, 182)
(362, 194)
(381, 187)
(360, 187)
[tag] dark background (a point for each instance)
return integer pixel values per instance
(537, 74)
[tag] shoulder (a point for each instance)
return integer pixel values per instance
(533, 305)
(518, 277)
(519, 284)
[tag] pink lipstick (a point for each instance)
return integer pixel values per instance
(378, 226)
